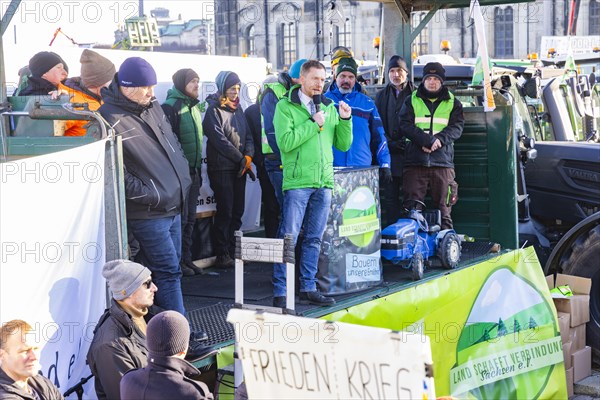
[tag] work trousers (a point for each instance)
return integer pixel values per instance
(230, 194)
(440, 180)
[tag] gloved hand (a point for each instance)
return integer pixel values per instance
(248, 161)
(245, 166)
(251, 175)
(386, 175)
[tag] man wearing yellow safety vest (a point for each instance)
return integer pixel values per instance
(431, 119)
(272, 93)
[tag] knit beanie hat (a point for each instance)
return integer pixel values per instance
(397, 62)
(168, 333)
(294, 71)
(124, 277)
(96, 70)
(346, 65)
(339, 53)
(182, 77)
(43, 62)
(136, 72)
(434, 69)
(225, 80)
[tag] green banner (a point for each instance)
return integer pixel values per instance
(492, 326)
(357, 226)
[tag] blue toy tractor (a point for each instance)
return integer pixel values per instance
(411, 241)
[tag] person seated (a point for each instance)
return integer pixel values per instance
(19, 366)
(96, 73)
(119, 342)
(167, 375)
(48, 70)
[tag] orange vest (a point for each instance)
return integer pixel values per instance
(76, 127)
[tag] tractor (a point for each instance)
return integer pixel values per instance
(412, 241)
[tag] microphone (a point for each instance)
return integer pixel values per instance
(317, 102)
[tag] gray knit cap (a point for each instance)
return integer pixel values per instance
(124, 277)
(168, 333)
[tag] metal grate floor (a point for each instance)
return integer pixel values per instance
(473, 250)
(213, 321)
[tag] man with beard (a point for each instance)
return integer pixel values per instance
(389, 101)
(432, 119)
(368, 143)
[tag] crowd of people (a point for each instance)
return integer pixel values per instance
(295, 134)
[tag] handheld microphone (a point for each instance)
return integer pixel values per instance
(317, 102)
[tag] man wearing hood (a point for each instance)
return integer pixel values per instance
(157, 178)
(369, 141)
(432, 119)
(229, 155)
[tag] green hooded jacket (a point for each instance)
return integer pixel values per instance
(185, 115)
(306, 150)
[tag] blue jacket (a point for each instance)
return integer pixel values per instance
(369, 141)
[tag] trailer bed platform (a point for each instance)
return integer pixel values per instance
(209, 297)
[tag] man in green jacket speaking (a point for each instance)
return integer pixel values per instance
(307, 125)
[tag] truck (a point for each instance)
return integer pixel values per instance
(492, 161)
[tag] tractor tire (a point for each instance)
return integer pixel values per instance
(418, 266)
(449, 250)
(581, 259)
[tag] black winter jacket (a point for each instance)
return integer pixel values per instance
(157, 177)
(164, 378)
(442, 157)
(252, 115)
(389, 105)
(42, 385)
(118, 346)
(37, 87)
(229, 137)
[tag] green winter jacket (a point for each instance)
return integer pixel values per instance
(185, 116)
(306, 151)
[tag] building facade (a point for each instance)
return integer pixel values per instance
(513, 30)
(284, 31)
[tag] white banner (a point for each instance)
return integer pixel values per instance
(52, 253)
(482, 53)
(207, 203)
(285, 357)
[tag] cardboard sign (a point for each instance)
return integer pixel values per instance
(285, 357)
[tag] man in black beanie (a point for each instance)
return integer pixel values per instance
(432, 119)
(182, 108)
(167, 375)
(389, 101)
(48, 70)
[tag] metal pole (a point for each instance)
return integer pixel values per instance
(527, 28)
